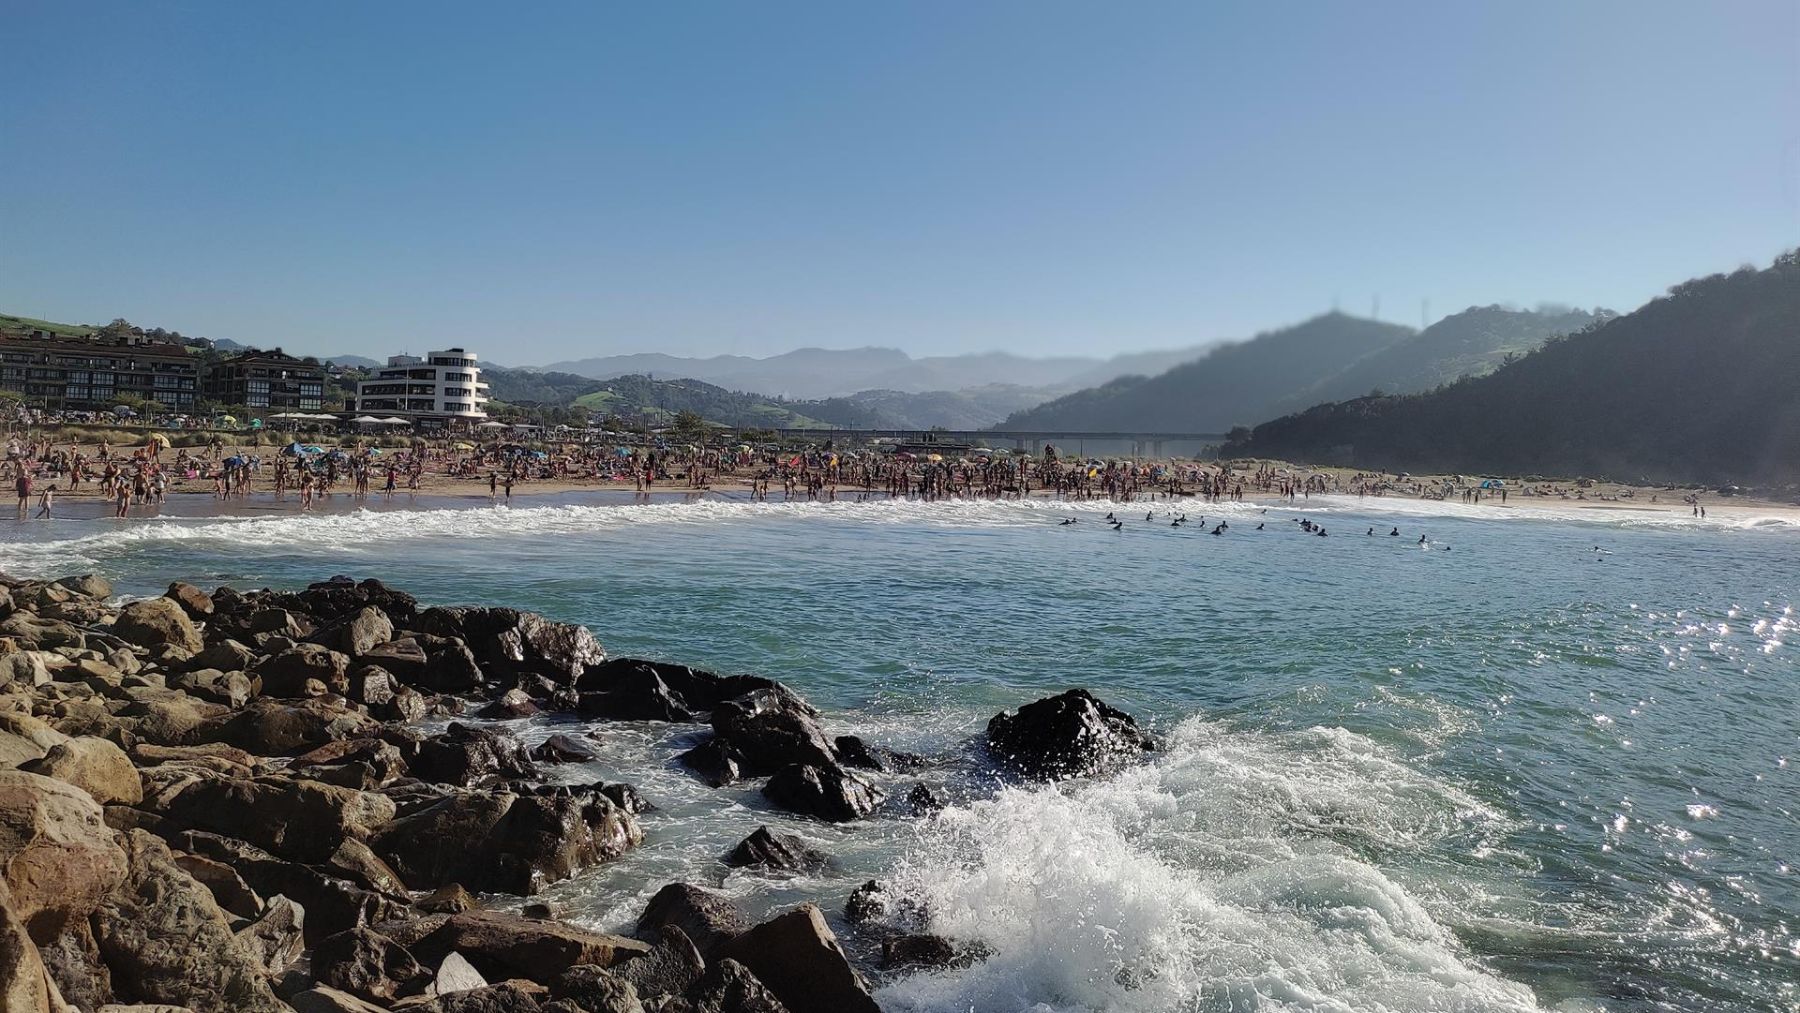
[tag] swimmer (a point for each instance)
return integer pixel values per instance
(1259, 526)
(1394, 533)
(1118, 525)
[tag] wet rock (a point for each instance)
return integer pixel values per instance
(928, 951)
(154, 622)
(868, 902)
(506, 997)
(1072, 734)
(195, 602)
(561, 748)
(709, 919)
(357, 633)
(854, 752)
(598, 990)
(167, 942)
(58, 858)
(451, 899)
(797, 956)
(830, 793)
(357, 862)
(632, 689)
(88, 585)
(671, 968)
(538, 910)
(626, 797)
(368, 965)
(465, 755)
(277, 936)
(715, 761)
(505, 842)
(767, 733)
(766, 849)
(373, 686)
(731, 987)
(503, 946)
(924, 800)
(96, 766)
(514, 643)
(512, 704)
(289, 673)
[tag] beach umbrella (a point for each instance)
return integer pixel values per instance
(256, 423)
(160, 440)
(294, 448)
(462, 446)
(934, 458)
(367, 420)
(492, 425)
(395, 420)
(228, 418)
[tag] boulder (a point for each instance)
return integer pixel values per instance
(830, 792)
(90, 585)
(597, 990)
(233, 689)
(765, 849)
(767, 733)
(75, 967)
(456, 974)
(291, 672)
(512, 704)
(24, 738)
(1072, 734)
(515, 643)
(165, 940)
(730, 987)
(439, 664)
(32, 633)
(357, 633)
(277, 937)
(797, 956)
(506, 842)
(293, 818)
(670, 968)
(630, 689)
(195, 602)
(58, 858)
(325, 999)
(451, 899)
(715, 761)
(506, 997)
(155, 622)
(229, 890)
(854, 752)
(25, 984)
(287, 727)
(561, 748)
(368, 965)
(25, 669)
(503, 946)
(709, 919)
(465, 755)
(225, 655)
(96, 766)
(928, 951)
(175, 719)
(332, 903)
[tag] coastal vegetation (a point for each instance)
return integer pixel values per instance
(1700, 385)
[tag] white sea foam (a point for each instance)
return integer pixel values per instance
(1216, 877)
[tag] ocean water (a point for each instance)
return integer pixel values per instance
(1547, 761)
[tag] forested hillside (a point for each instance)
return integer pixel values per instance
(1701, 385)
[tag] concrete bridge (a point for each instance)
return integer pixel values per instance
(1136, 444)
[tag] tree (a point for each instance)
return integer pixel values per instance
(689, 425)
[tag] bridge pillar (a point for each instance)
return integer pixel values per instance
(1019, 445)
(1156, 448)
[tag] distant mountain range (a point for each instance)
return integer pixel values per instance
(1701, 385)
(813, 373)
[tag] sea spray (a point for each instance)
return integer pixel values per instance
(1215, 877)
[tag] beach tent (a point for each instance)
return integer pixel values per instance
(256, 423)
(1493, 483)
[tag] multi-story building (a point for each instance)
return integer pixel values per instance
(437, 388)
(269, 379)
(92, 373)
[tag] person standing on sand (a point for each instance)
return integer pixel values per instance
(23, 486)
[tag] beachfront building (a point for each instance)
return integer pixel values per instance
(437, 389)
(91, 373)
(270, 379)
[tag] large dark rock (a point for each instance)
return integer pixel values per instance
(333, 902)
(1072, 734)
(767, 731)
(503, 946)
(465, 755)
(596, 990)
(797, 956)
(717, 763)
(195, 602)
(155, 622)
(305, 670)
(368, 965)
(633, 689)
(766, 849)
(709, 919)
(670, 968)
(501, 841)
(357, 633)
(331, 600)
(57, 855)
(166, 941)
(287, 727)
(506, 997)
(293, 818)
(731, 987)
(854, 752)
(509, 643)
(561, 748)
(829, 792)
(74, 963)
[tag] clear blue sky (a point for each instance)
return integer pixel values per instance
(542, 181)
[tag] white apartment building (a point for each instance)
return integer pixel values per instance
(439, 387)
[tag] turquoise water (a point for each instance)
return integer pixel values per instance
(1503, 771)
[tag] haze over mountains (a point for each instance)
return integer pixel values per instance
(810, 373)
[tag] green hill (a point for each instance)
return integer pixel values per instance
(659, 400)
(1701, 385)
(1230, 385)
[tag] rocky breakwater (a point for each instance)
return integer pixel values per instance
(223, 802)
